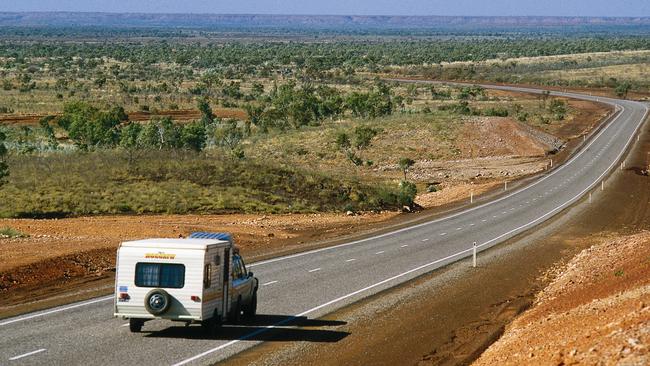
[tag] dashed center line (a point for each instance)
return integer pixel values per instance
(404, 246)
(382, 252)
(425, 239)
(314, 270)
(27, 354)
(459, 228)
(269, 283)
(443, 234)
(350, 260)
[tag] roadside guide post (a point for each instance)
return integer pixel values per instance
(474, 255)
(471, 196)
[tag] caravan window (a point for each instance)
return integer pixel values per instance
(207, 276)
(160, 275)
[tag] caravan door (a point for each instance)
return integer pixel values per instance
(226, 284)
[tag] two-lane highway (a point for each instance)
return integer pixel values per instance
(314, 283)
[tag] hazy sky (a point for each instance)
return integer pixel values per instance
(360, 7)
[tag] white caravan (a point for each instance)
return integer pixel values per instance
(201, 279)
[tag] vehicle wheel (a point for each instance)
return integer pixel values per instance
(135, 325)
(157, 301)
(251, 309)
(235, 313)
(211, 326)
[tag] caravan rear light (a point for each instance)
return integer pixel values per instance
(195, 298)
(124, 296)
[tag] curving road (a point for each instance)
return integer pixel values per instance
(297, 288)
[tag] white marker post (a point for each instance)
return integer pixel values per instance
(589, 197)
(584, 138)
(474, 255)
(471, 196)
(505, 185)
(602, 185)
(551, 163)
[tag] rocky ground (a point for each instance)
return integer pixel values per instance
(595, 311)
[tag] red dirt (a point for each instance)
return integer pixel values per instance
(597, 309)
(495, 136)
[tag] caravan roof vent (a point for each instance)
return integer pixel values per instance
(206, 235)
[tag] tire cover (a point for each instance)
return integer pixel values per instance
(157, 302)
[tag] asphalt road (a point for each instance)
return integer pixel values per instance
(311, 284)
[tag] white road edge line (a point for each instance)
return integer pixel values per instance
(420, 267)
(560, 168)
(307, 312)
(11, 321)
(527, 187)
(27, 354)
(269, 283)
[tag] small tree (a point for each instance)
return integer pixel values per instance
(344, 144)
(623, 89)
(49, 131)
(407, 193)
(130, 140)
(206, 111)
(229, 137)
(405, 164)
(363, 136)
(4, 168)
(343, 141)
(558, 108)
(193, 136)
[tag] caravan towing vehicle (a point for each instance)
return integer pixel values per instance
(201, 279)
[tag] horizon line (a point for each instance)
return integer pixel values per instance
(322, 15)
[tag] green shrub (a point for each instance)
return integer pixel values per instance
(8, 232)
(407, 193)
(177, 181)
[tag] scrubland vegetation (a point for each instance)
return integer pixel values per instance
(319, 130)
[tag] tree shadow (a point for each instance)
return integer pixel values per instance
(265, 328)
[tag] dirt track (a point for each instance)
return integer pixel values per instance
(139, 116)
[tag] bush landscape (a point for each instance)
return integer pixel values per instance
(188, 122)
